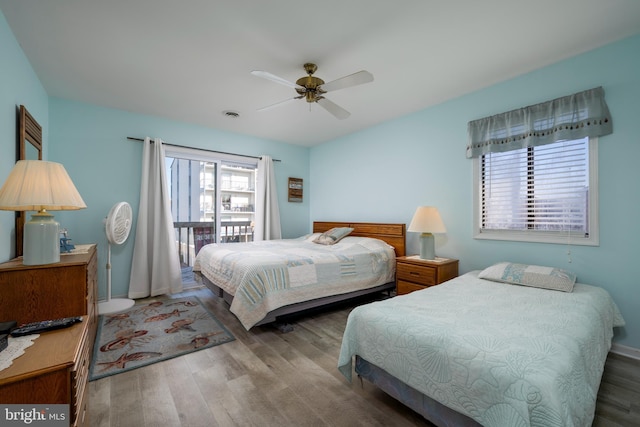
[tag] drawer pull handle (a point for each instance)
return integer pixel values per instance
(413, 273)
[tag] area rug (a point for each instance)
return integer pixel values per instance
(152, 331)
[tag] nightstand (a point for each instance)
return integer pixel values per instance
(413, 273)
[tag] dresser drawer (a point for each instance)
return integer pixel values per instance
(407, 287)
(424, 275)
(80, 378)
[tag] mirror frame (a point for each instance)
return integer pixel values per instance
(29, 131)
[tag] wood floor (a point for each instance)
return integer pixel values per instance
(268, 378)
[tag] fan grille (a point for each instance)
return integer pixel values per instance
(119, 223)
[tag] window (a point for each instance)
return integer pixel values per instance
(536, 170)
(545, 193)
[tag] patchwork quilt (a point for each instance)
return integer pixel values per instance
(266, 275)
(501, 354)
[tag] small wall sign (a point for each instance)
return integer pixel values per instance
(295, 190)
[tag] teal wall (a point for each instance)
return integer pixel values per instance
(19, 85)
(384, 173)
(92, 143)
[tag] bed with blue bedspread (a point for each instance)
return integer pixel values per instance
(486, 351)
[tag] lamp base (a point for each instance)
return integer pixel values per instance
(427, 246)
(114, 305)
(41, 240)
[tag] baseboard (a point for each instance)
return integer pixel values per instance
(623, 350)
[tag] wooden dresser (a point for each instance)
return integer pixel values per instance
(54, 370)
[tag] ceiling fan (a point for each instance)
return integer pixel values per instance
(312, 88)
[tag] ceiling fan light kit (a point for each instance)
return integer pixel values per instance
(312, 88)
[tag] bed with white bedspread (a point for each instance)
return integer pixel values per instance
(498, 354)
(261, 277)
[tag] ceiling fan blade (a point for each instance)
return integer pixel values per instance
(337, 111)
(347, 81)
(277, 104)
(274, 78)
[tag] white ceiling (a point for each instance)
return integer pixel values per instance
(190, 60)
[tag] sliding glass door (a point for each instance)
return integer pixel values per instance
(212, 199)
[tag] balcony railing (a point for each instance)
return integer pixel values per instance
(192, 236)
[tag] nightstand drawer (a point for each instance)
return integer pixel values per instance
(406, 287)
(423, 275)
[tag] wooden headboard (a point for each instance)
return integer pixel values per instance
(394, 234)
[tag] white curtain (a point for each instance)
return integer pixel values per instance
(155, 268)
(267, 224)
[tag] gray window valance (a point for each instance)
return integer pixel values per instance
(570, 117)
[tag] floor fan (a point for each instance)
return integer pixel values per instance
(117, 228)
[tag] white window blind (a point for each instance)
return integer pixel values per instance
(542, 191)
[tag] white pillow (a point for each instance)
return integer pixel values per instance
(333, 236)
(530, 275)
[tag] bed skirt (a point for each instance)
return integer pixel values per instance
(438, 414)
(301, 306)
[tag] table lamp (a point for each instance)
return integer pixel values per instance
(38, 185)
(427, 221)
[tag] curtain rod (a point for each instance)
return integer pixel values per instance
(202, 149)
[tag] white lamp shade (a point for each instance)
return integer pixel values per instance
(34, 185)
(37, 185)
(427, 220)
